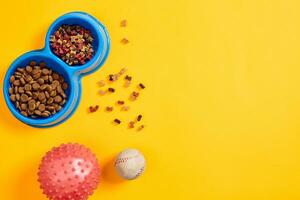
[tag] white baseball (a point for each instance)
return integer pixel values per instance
(130, 164)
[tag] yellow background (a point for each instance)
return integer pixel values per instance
(221, 107)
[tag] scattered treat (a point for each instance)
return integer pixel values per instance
(117, 121)
(93, 109)
(109, 108)
(101, 83)
(123, 23)
(124, 41)
(134, 95)
(102, 92)
(120, 102)
(125, 108)
(37, 91)
(130, 164)
(112, 77)
(128, 78)
(140, 128)
(127, 81)
(112, 90)
(131, 124)
(139, 117)
(141, 86)
(122, 71)
(73, 44)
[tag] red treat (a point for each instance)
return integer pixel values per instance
(69, 172)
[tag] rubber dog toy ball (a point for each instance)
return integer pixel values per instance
(69, 172)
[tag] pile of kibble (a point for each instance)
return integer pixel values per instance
(73, 44)
(37, 91)
(120, 103)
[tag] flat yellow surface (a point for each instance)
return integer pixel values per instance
(221, 107)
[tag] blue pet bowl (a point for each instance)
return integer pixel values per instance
(72, 74)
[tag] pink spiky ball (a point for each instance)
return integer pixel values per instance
(69, 172)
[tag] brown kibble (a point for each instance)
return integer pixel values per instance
(112, 90)
(41, 96)
(139, 117)
(140, 128)
(125, 108)
(24, 113)
(21, 90)
(41, 107)
(22, 80)
(16, 82)
(117, 121)
(34, 92)
(10, 90)
(18, 96)
(124, 41)
(35, 86)
(28, 68)
(28, 78)
(23, 106)
(59, 89)
(131, 124)
(45, 71)
(24, 98)
(31, 105)
(37, 112)
(123, 23)
(12, 97)
(41, 81)
(109, 108)
(57, 99)
(122, 71)
(27, 87)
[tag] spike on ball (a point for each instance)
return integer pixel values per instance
(69, 172)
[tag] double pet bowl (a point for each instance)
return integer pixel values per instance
(72, 74)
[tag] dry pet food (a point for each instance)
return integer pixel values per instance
(117, 121)
(139, 117)
(73, 44)
(112, 90)
(140, 128)
(125, 108)
(93, 108)
(109, 108)
(37, 91)
(120, 102)
(141, 86)
(123, 23)
(134, 95)
(124, 41)
(131, 124)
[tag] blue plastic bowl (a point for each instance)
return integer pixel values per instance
(72, 74)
